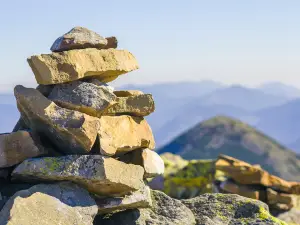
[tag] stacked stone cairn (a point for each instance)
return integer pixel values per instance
(253, 182)
(77, 134)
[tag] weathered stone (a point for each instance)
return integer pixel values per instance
(231, 187)
(138, 199)
(282, 201)
(165, 211)
(79, 38)
(148, 159)
(61, 67)
(245, 173)
(112, 42)
(99, 83)
(98, 174)
(16, 147)
(139, 105)
(120, 134)
(83, 97)
(231, 209)
(70, 131)
(128, 93)
(50, 204)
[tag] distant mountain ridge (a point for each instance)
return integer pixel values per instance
(224, 135)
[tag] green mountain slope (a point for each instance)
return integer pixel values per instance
(234, 138)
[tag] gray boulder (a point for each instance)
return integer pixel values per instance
(83, 97)
(98, 174)
(79, 38)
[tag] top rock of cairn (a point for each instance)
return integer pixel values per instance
(81, 54)
(80, 38)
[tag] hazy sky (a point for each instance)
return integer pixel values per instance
(232, 41)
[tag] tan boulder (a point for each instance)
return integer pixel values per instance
(282, 201)
(148, 159)
(138, 199)
(64, 203)
(98, 174)
(61, 67)
(70, 131)
(83, 97)
(16, 147)
(245, 173)
(128, 93)
(121, 134)
(138, 105)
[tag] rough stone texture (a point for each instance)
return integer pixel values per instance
(61, 67)
(50, 204)
(121, 134)
(98, 174)
(165, 211)
(79, 38)
(112, 42)
(128, 93)
(282, 201)
(243, 190)
(70, 131)
(16, 147)
(220, 209)
(137, 199)
(245, 173)
(139, 105)
(83, 97)
(292, 217)
(99, 83)
(45, 90)
(148, 159)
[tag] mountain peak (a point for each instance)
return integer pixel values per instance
(225, 135)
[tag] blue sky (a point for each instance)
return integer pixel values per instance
(232, 41)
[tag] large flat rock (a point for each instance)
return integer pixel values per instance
(138, 105)
(98, 174)
(61, 67)
(120, 134)
(245, 173)
(50, 204)
(70, 131)
(83, 97)
(16, 147)
(165, 211)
